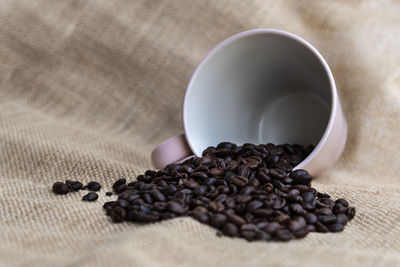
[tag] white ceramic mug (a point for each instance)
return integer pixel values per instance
(261, 86)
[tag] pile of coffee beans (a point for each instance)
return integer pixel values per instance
(247, 191)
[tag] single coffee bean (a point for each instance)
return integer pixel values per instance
(336, 227)
(254, 205)
(282, 219)
(351, 212)
(157, 195)
(342, 219)
(91, 196)
(297, 208)
(323, 211)
(342, 201)
(301, 220)
(300, 177)
(93, 186)
(60, 188)
(310, 218)
(118, 183)
(272, 227)
(279, 203)
(301, 233)
(327, 219)
(236, 219)
(295, 226)
(308, 196)
(283, 235)
(109, 193)
(74, 185)
(263, 213)
(240, 180)
(230, 229)
(201, 216)
(339, 208)
(117, 214)
(320, 227)
(218, 220)
(176, 207)
(248, 235)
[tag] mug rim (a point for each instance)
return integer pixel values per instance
(292, 36)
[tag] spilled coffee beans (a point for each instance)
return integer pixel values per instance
(247, 191)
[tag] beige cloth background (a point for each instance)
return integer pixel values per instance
(89, 87)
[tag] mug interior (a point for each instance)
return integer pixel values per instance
(258, 87)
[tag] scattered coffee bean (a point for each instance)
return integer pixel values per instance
(91, 196)
(248, 191)
(93, 186)
(74, 185)
(60, 188)
(109, 193)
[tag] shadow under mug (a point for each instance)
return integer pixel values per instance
(261, 86)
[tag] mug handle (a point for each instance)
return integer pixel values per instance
(170, 151)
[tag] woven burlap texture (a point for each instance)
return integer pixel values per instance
(89, 87)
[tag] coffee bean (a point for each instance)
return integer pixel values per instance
(308, 196)
(176, 207)
(351, 212)
(327, 219)
(91, 196)
(264, 213)
(201, 216)
(301, 220)
(248, 235)
(236, 219)
(230, 229)
(339, 208)
(74, 185)
(93, 186)
(117, 214)
(118, 183)
(279, 203)
(218, 220)
(336, 227)
(310, 218)
(342, 219)
(240, 181)
(247, 190)
(297, 208)
(254, 205)
(60, 188)
(109, 193)
(295, 226)
(283, 219)
(272, 227)
(122, 203)
(283, 235)
(323, 211)
(320, 227)
(342, 201)
(301, 233)
(157, 195)
(300, 177)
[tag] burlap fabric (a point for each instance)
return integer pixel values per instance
(88, 88)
